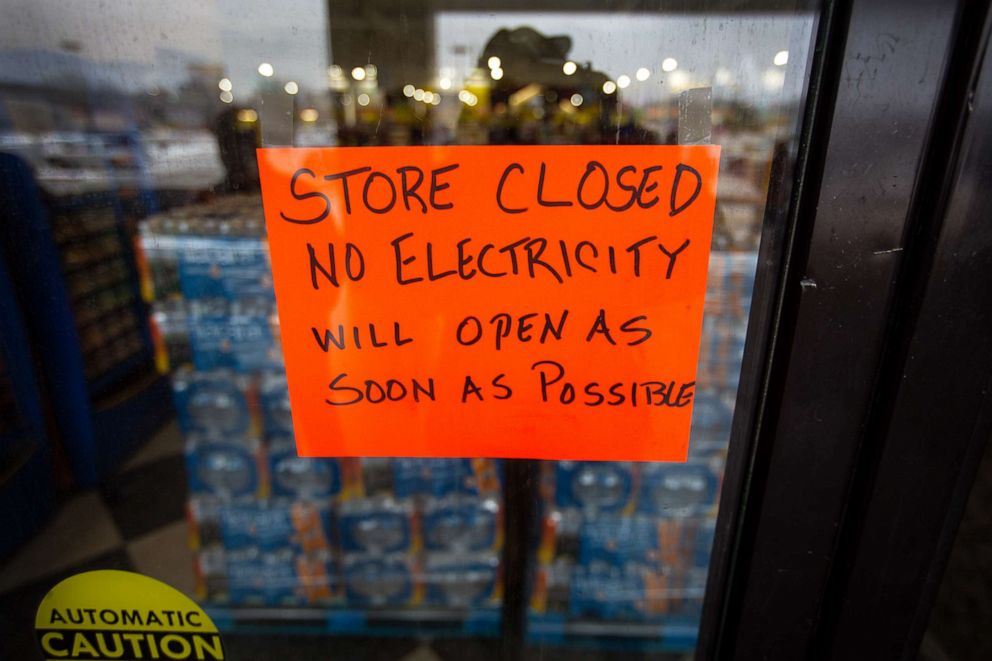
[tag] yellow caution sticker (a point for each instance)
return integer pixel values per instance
(110, 615)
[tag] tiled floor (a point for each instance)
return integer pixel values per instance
(82, 529)
(145, 498)
(133, 522)
(160, 554)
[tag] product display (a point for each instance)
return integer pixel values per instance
(271, 528)
(619, 541)
(623, 542)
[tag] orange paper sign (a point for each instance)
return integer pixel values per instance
(528, 302)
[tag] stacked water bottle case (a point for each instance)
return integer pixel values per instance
(623, 541)
(618, 542)
(630, 542)
(271, 528)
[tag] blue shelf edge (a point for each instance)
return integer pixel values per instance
(677, 634)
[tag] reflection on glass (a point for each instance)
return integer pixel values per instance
(162, 105)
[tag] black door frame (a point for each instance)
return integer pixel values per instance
(933, 414)
(842, 490)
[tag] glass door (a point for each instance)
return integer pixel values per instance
(132, 186)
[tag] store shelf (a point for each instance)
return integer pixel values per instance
(357, 622)
(96, 351)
